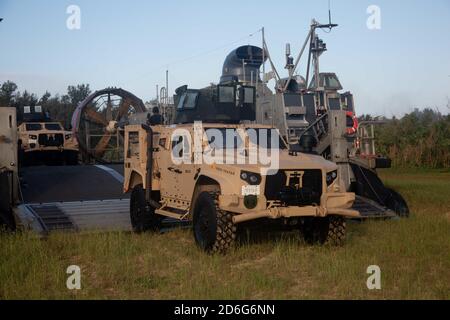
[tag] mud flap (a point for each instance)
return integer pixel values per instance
(369, 185)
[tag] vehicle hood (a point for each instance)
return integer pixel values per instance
(286, 162)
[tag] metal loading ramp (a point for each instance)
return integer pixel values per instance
(71, 183)
(73, 199)
(106, 215)
(78, 198)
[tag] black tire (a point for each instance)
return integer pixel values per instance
(143, 216)
(397, 204)
(214, 230)
(7, 223)
(324, 231)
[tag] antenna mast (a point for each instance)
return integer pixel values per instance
(264, 63)
(317, 46)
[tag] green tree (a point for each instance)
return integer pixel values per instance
(25, 99)
(44, 99)
(7, 93)
(419, 139)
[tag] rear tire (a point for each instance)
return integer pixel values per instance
(214, 230)
(7, 223)
(143, 216)
(325, 231)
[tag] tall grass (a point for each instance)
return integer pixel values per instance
(413, 254)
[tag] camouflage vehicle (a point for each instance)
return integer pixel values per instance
(41, 139)
(218, 196)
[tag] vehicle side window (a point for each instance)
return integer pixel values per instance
(133, 144)
(191, 100)
(188, 100)
(181, 102)
(227, 94)
(249, 95)
(162, 143)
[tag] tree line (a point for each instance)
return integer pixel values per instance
(418, 139)
(59, 107)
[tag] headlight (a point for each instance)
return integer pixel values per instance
(331, 177)
(251, 178)
(68, 136)
(32, 137)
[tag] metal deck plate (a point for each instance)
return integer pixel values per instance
(370, 209)
(51, 217)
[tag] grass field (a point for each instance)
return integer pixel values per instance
(413, 254)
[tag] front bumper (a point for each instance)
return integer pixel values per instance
(331, 204)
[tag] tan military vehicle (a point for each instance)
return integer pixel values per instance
(219, 195)
(43, 140)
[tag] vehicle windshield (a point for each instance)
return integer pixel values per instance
(222, 138)
(52, 126)
(33, 126)
(228, 138)
(266, 138)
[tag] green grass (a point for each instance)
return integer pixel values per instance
(413, 254)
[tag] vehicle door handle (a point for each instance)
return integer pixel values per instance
(171, 169)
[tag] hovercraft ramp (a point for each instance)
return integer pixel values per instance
(73, 198)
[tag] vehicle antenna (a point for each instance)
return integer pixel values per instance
(329, 12)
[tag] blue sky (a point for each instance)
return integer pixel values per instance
(129, 44)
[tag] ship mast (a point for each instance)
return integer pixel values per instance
(316, 48)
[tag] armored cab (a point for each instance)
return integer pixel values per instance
(233, 100)
(32, 114)
(228, 103)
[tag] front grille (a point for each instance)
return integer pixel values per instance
(294, 192)
(51, 140)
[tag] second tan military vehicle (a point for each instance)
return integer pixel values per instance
(40, 141)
